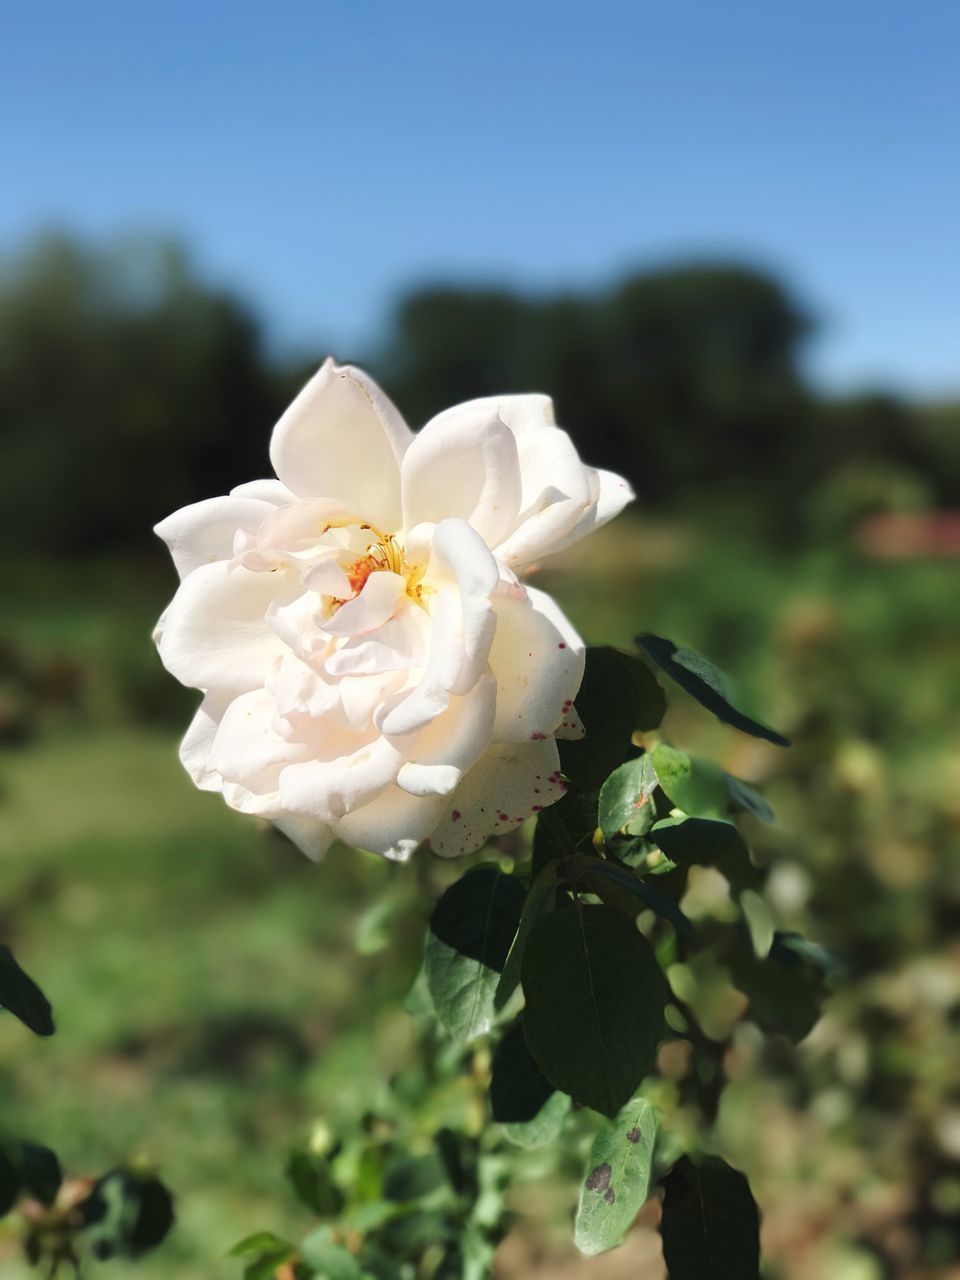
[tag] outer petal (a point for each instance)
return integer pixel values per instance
(198, 741)
(272, 491)
(249, 753)
(502, 789)
(521, 413)
(310, 835)
(538, 660)
(463, 466)
(393, 824)
(342, 438)
(215, 635)
(612, 495)
(556, 494)
(204, 531)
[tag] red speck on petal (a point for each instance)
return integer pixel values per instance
(502, 817)
(455, 815)
(537, 736)
(561, 645)
(537, 808)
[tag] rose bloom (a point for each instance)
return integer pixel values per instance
(373, 669)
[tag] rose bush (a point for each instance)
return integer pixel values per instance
(373, 669)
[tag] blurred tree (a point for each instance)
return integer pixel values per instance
(127, 388)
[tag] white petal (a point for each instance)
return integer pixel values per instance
(538, 660)
(215, 634)
(204, 532)
(437, 756)
(328, 789)
(463, 466)
(556, 494)
(247, 750)
(272, 491)
(381, 597)
(198, 740)
(521, 413)
(612, 495)
(342, 438)
(393, 824)
(310, 836)
(398, 645)
(458, 555)
(506, 786)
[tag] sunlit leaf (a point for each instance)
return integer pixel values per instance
(471, 930)
(617, 1179)
(626, 806)
(706, 683)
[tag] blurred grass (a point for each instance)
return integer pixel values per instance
(209, 1001)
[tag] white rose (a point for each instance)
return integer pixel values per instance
(373, 670)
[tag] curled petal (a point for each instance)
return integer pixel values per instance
(464, 466)
(205, 531)
(342, 438)
(437, 757)
(198, 741)
(330, 788)
(310, 835)
(381, 597)
(393, 824)
(249, 752)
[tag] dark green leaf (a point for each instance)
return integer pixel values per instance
(617, 697)
(518, 1088)
(785, 990)
(21, 995)
(749, 800)
(37, 1169)
(708, 842)
(706, 683)
(9, 1184)
(617, 1179)
(595, 999)
(539, 899)
(710, 1224)
(626, 805)
(410, 1177)
(471, 930)
(313, 1182)
(602, 877)
(566, 827)
(127, 1214)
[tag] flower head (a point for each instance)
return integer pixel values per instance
(373, 669)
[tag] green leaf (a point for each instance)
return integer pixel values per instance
(471, 930)
(626, 804)
(617, 697)
(9, 1184)
(260, 1242)
(759, 922)
(410, 1177)
(37, 1169)
(565, 827)
(785, 990)
(602, 877)
(617, 1179)
(698, 787)
(545, 1125)
(518, 1088)
(21, 995)
(710, 1224)
(313, 1182)
(749, 800)
(706, 683)
(127, 1214)
(539, 899)
(329, 1261)
(708, 842)
(595, 1000)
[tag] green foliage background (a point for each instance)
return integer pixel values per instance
(212, 1008)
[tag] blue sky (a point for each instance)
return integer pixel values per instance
(324, 156)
